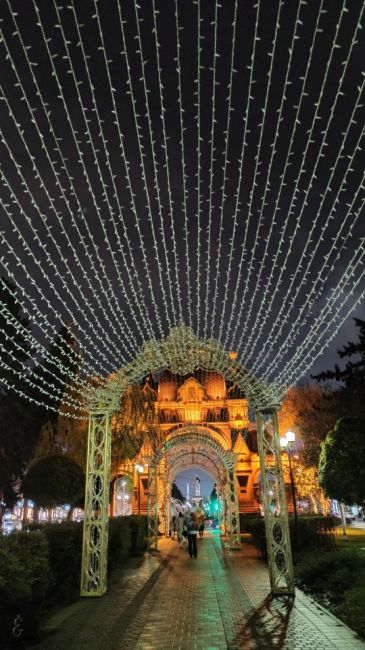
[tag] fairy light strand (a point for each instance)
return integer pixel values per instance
(262, 312)
(238, 192)
(25, 336)
(102, 182)
(225, 165)
(168, 306)
(62, 190)
(47, 330)
(122, 294)
(291, 207)
(167, 163)
(272, 225)
(183, 162)
(143, 174)
(256, 170)
(198, 172)
(211, 172)
(329, 217)
(44, 248)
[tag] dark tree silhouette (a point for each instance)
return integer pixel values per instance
(342, 461)
(349, 399)
(54, 480)
(20, 420)
(176, 493)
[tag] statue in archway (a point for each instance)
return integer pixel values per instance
(197, 486)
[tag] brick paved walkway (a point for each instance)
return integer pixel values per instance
(218, 601)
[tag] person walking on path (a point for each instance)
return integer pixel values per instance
(199, 518)
(192, 530)
(180, 527)
(173, 527)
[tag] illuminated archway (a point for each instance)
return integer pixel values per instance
(182, 353)
(182, 447)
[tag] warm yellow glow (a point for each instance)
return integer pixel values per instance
(192, 415)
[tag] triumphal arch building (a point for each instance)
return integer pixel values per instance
(205, 403)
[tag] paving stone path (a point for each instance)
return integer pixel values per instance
(219, 601)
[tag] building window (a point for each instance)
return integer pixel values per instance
(191, 394)
(242, 482)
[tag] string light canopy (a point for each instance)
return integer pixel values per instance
(181, 173)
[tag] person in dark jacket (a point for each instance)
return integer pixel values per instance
(192, 530)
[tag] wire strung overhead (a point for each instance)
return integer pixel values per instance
(170, 163)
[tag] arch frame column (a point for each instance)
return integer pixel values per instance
(233, 511)
(96, 514)
(152, 517)
(274, 504)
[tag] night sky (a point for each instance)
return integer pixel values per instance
(181, 161)
(188, 476)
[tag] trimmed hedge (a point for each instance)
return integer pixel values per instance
(334, 571)
(23, 567)
(314, 531)
(120, 541)
(65, 548)
(127, 537)
(138, 527)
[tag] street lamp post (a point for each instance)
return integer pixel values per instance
(286, 443)
(139, 470)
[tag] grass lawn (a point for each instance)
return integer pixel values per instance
(355, 538)
(336, 578)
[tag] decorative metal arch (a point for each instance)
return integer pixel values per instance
(184, 461)
(203, 461)
(196, 441)
(183, 353)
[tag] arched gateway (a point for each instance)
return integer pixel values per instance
(183, 448)
(182, 353)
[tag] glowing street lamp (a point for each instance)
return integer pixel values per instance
(286, 443)
(120, 488)
(139, 470)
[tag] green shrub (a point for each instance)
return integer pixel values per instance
(63, 552)
(120, 541)
(337, 578)
(13, 587)
(313, 532)
(138, 527)
(352, 610)
(333, 571)
(256, 528)
(23, 567)
(65, 548)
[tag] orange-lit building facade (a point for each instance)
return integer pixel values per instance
(205, 400)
